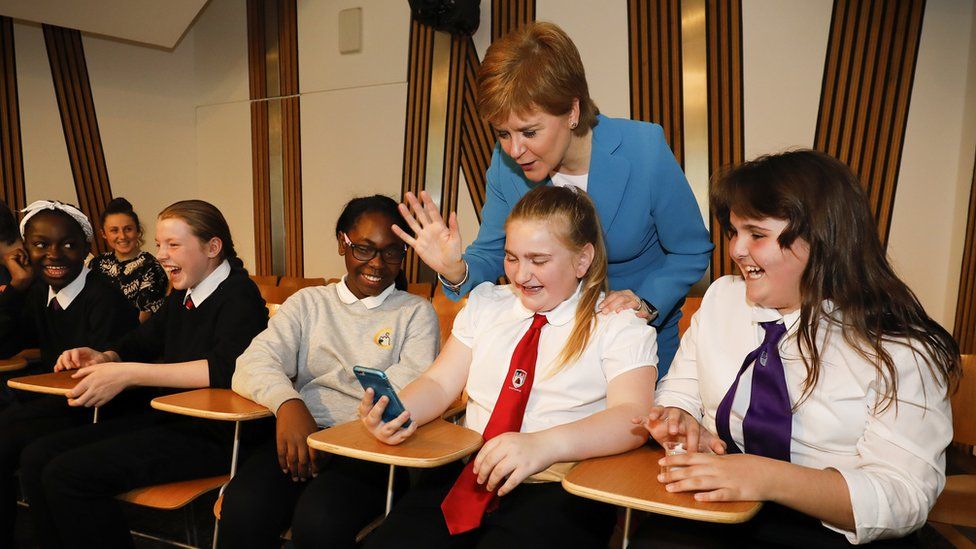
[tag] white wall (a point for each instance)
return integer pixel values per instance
(929, 217)
(47, 171)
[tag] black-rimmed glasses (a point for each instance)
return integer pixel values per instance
(392, 254)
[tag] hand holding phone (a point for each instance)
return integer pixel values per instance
(381, 410)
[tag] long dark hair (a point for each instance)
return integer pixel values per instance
(9, 230)
(823, 203)
(378, 203)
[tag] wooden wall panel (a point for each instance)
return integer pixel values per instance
(12, 189)
(477, 138)
(260, 158)
(965, 326)
(723, 32)
(72, 88)
(508, 15)
(452, 140)
(285, 93)
(867, 86)
(419, 66)
(656, 90)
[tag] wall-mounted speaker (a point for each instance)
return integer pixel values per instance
(351, 30)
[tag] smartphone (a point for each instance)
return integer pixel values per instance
(371, 378)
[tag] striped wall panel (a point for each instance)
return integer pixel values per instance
(12, 189)
(508, 15)
(723, 35)
(283, 92)
(867, 86)
(656, 90)
(260, 156)
(477, 139)
(419, 66)
(291, 149)
(965, 326)
(72, 88)
(452, 139)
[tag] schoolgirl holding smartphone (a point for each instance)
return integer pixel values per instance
(301, 368)
(71, 478)
(814, 380)
(549, 381)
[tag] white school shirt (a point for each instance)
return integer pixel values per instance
(68, 294)
(208, 285)
(565, 180)
(494, 321)
(893, 460)
(370, 302)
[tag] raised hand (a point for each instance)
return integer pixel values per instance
(436, 243)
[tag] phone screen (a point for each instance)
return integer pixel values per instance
(376, 380)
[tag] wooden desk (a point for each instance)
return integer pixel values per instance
(432, 445)
(436, 443)
(12, 364)
(630, 480)
(219, 404)
(55, 383)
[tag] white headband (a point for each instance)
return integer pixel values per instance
(41, 205)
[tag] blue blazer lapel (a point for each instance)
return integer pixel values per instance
(608, 172)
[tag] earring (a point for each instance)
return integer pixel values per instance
(572, 125)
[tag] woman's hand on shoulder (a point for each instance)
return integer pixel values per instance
(79, 357)
(437, 243)
(619, 300)
(101, 382)
(391, 432)
(292, 428)
(676, 424)
(509, 458)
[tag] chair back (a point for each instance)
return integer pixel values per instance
(446, 311)
(964, 404)
(276, 294)
(422, 289)
(298, 282)
(688, 310)
(267, 280)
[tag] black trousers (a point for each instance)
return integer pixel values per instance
(328, 511)
(71, 478)
(773, 526)
(532, 515)
(20, 424)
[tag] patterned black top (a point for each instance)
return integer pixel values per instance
(141, 279)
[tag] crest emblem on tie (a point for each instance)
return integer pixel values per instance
(762, 358)
(518, 378)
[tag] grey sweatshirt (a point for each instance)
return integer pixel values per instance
(314, 340)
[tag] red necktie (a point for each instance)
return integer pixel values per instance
(467, 501)
(189, 304)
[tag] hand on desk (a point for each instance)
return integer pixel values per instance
(79, 357)
(736, 477)
(509, 458)
(100, 383)
(372, 417)
(674, 423)
(292, 428)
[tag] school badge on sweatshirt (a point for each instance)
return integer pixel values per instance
(384, 338)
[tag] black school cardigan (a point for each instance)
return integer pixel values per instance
(217, 330)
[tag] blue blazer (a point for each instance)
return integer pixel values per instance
(657, 243)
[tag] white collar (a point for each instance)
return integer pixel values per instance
(202, 291)
(68, 294)
(563, 313)
(370, 302)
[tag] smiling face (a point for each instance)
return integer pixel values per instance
(370, 278)
(772, 273)
(186, 258)
(122, 235)
(543, 270)
(537, 141)
(57, 247)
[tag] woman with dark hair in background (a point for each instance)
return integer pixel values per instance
(532, 89)
(135, 272)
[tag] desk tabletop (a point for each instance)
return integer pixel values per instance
(219, 404)
(55, 383)
(13, 364)
(630, 480)
(436, 443)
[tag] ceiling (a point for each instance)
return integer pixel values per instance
(155, 22)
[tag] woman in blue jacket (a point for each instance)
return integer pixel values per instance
(532, 89)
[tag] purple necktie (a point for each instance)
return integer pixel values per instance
(768, 425)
